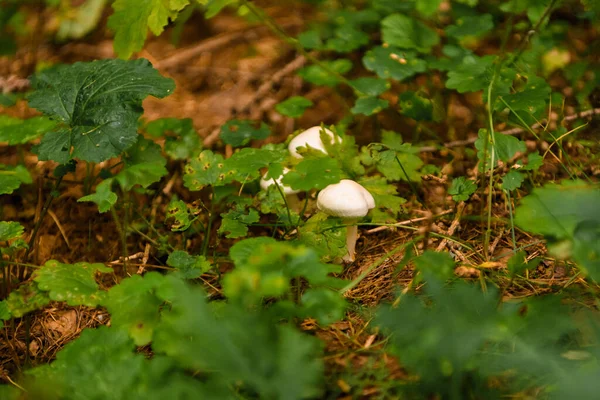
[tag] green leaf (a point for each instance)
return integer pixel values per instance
(131, 19)
(188, 266)
(391, 62)
(206, 169)
(556, 210)
(81, 20)
(239, 132)
(531, 99)
(179, 216)
(347, 38)
(325, 235)
(408, 33)
(435, 265)
(313, 173)
(505, 146)
(294, 107)
(369, 105)
(4, 313)
(11, 178)
(324, 305)
(427, 7)
(471, 25)
(310, 39)
(586, 248)
(512, 180)
(462, 188)
(181, 139)
(104, 197)
(135, 307)
(370, 86)
(10, 230)
(517, 264)
(144, 165)
(472, 75)
(20, 131)
(415, 106)
(25, 299)
(320, 76)
(97, 104)
(72, 283)
(386, 197)
(235, 222)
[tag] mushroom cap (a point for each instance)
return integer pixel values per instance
(265, 183)
(346, 199)
(310, 137)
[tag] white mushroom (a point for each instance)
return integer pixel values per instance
(293, 202)
(311, 138)
(349, 201)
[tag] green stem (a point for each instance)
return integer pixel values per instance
(122, 236)
(512, 224)
(209, 224)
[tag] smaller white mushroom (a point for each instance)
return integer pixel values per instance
(311, 137)
(349, 201)
(292, 200)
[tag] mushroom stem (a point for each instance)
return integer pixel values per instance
(351, 236)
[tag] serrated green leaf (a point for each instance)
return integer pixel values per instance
(104, 197)
(206, 169)
(394, 170)
(370, 86)
(131, 20)
(471, 25)
(512, 180)
(369, 105)
(144, 165)
(391, 62)
(313, 173)
(11, 178)
(235, 222)
(325, 235)
(472, 75)
(188, 266)
(17, 131)
(238, 132)
(531, 99)
(462, 188)
(408, 33)
(319, 76)
(10, 230)
(416, 106)
(181, 139)
(293, 107)
(73, 283)
(245, 165)
(135, 307)
(505, 148)
(97, 104)
(385, 195)
(178, 215)
(534, 162)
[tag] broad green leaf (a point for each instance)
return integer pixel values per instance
(531, 99)
(294, 107)
(245, 165)
(386, 197)
(505, 148)
(369, 105)
(427, 7)
(325, 305)
(435, 265)
(104, 197)
(408, 33)
(144, 165)
(26, 298)
(131, 20)
(512, 180)
(347, 38)
(320, 76)
(586, 248)
(239, 132)
(396, 166)
(310, 39)
(135, 307)
(73, 283)
(181, 139)
(11, 178)
(416, 106)
(534, 162)
(97, 105)
(555, 210)
(20, 131)
(188, 266)
(10, 230)
(471, 25)
(325, 235)
(242, 251)
(472, 75)
(391, 62)
(206, 169)
(462, 188)
(313, 173)
(370, 86)
(81, 20)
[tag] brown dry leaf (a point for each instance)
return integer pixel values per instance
(64, 322)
